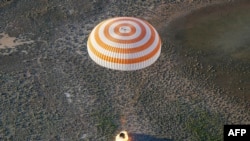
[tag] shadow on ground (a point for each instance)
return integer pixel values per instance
(143, 137)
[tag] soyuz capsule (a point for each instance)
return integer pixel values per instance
(122, 136)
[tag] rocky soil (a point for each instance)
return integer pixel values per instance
(51, 90)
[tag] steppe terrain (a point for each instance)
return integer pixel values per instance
(51, 90)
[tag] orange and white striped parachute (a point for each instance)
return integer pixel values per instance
(124, 43)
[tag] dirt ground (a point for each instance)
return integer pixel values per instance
(51, 90)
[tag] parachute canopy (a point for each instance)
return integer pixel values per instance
(124, 43)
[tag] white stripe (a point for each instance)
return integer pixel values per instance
(120, 45)
(123, 55)
(135, 35)
(125, 67)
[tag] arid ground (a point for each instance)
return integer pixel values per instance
(51, 90)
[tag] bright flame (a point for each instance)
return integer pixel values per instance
(122, 136)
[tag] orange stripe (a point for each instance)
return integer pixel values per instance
(124, 61)
(117, 29)
(109, 37)
(125, 50)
